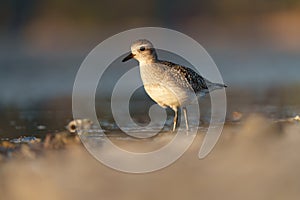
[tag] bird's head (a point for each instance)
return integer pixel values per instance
(142, 50)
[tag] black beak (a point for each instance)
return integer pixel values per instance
(128, 57)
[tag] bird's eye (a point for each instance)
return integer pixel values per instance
(142, 48)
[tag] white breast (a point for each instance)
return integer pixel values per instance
(165, 88)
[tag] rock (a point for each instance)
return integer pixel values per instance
(236, 116)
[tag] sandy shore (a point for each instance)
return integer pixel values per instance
(254, 159)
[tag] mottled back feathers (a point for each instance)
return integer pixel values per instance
(197, 82)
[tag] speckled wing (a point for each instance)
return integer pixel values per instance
(197, 82)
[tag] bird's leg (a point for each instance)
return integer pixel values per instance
(186, 118)
(175, 118)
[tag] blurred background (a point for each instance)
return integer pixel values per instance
(255, 44)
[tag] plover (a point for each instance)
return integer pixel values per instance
(169, 84)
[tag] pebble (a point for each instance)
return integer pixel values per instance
(79, 125)
(41, 127)
(297, 118)
(236, 116)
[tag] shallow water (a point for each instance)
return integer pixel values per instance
(15, 122)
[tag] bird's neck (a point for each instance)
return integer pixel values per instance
(148, 61)
(148, 58)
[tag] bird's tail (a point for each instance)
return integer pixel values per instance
(219, 85)
(210, 87)
(215, 86)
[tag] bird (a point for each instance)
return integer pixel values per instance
(169, 84)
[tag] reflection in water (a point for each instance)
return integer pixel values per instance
(51, 118)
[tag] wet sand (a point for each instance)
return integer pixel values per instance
(256, 158)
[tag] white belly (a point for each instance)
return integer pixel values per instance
(166, 89)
